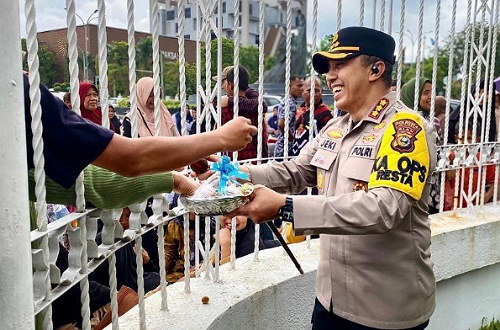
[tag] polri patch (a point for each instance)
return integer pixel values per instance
(379, 108)
(405, 135)
(367, 152)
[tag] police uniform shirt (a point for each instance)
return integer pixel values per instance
(375, 267)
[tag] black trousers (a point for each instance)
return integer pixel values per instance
(323, 319)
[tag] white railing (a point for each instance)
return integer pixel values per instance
(32, 292)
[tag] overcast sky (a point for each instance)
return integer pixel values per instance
(51, 15)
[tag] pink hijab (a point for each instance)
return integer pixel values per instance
(146, 118)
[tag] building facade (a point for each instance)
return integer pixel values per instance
(56, 41)
(274, 19)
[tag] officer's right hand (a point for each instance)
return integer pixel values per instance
(237, 133)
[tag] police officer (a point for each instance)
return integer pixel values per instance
(371, 167)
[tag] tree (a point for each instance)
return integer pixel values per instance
(144, 54)
(459, 49)
(47, 59)
(249, 58)
(325, 43)
(118, 67)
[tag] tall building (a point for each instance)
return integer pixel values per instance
(275, 18)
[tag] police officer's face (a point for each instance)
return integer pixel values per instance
(348, 81)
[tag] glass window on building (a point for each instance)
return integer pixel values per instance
(170, 15)
(257, 41)
(250, 9)
(224, 7)
(239, 23)
(187, 36)
(176, 27)
(239, 6)
(187, 13)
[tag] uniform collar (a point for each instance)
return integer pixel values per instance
(377, 112)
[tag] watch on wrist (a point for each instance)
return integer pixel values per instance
(286, 211)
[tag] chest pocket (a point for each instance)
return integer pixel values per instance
(326, 153)
(361, 157)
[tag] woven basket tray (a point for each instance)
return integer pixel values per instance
(215, 206)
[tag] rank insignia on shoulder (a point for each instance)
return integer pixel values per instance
(405, 134)
(379, 108)
(335, 134)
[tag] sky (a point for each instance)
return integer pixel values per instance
(51, 15)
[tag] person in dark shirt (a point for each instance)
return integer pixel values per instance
(65, 131)
(248, 106)
(322, 114)
(114, 120)
(272, 122)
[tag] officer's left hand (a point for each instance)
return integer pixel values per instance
(263, 206)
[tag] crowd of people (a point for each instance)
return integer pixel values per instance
(369, 164)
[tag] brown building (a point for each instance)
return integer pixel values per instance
(57, 41)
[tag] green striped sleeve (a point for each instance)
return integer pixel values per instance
(105, 189)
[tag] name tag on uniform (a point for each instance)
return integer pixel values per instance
(327, 144)
(360, 151)
(326, 153)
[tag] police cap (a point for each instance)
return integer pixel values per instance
(353, 41)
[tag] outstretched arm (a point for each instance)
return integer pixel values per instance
(148, 155)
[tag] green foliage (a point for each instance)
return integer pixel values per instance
(459, 46)
(492, 325)
(325, 43)
(47, 60)
(124, 102)
(118, 67)
(249, 58)
(61, 87)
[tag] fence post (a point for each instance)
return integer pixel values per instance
(16, 282)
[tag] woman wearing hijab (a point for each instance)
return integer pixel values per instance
(424, 108)
(89, 103)
(424, 99)
(145, 116)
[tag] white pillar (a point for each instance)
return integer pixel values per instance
(16, 283)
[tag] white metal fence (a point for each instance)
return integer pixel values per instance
(28, 276)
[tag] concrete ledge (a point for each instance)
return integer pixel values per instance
(465, 241)
(271, 294)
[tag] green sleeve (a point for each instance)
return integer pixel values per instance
(105, 189)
